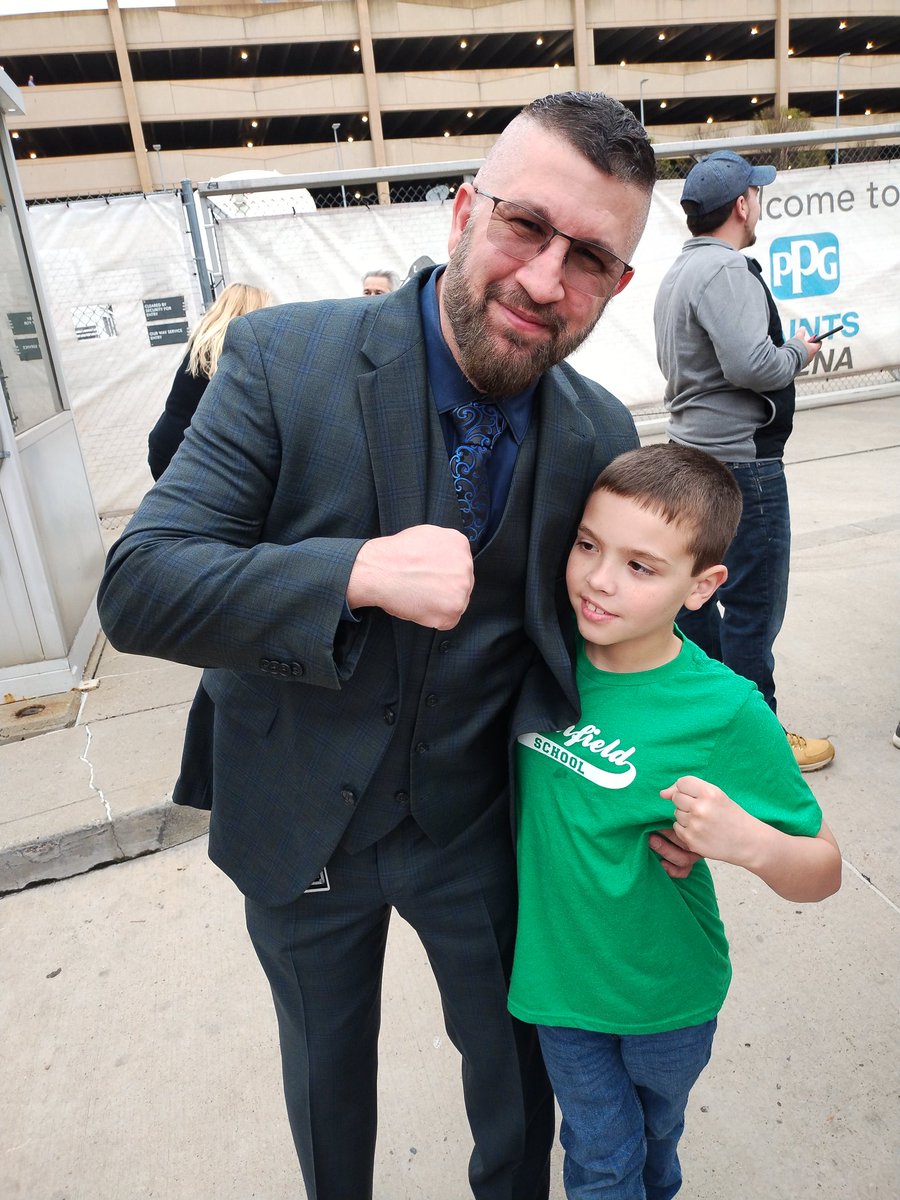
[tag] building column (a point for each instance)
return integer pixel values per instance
(782, 59)
(131, 104)
(367, 50)
(584, 49)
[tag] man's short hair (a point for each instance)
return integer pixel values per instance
(686, 487)
(603, 130)
(700, 224)
(383, 273)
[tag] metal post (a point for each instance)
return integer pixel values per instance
(212, 246)
(643, 81)
(837, 103)
(187, 199)
(340, 162)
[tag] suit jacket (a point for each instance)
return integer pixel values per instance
(311, 438)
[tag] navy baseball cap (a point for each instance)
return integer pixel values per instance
(720, 178)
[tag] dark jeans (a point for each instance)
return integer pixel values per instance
(323, 956)
(622, 1101)
(755, 594)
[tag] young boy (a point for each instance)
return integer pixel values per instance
(623, 968)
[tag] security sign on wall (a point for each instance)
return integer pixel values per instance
(160, 331)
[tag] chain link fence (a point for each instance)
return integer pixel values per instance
(672, 163)
(799, 149)
(318, 234)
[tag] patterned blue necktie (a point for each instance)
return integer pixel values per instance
(478, 425)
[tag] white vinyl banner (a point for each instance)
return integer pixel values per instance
(829, 247)
(828, 244)
(123, 292)
(122, 295)
(320, 255)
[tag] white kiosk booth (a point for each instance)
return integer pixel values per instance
(51, 550)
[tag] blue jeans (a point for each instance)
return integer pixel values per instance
(754, 596)
(622, 1100)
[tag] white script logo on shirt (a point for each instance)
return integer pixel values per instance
(586, 738)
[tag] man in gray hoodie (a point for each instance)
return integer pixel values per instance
(730, 391)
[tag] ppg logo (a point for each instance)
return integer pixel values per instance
(805, 266)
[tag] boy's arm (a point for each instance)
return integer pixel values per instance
(800, 869)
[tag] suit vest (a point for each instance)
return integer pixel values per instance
(447, 759)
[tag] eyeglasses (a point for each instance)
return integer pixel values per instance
(522, 234)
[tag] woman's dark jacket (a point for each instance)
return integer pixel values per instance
(181, 404)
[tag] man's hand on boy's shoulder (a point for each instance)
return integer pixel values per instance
(674, 858)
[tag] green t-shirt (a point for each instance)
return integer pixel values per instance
(606, 940)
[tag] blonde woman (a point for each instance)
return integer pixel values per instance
(197, 368)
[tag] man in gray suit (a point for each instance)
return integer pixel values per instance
(361, 540)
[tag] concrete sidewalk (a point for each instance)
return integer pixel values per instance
(143, 1058)
(98, 791)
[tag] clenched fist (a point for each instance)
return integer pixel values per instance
(423, 574)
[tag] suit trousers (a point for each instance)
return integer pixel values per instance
(323, 955)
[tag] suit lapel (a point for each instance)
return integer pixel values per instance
(395, 403)
(565, 452)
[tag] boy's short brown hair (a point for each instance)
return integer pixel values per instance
(686, 487)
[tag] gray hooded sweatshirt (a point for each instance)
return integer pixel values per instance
(719, 344)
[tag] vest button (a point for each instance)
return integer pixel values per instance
(389, 715)
(402, 797)
(422, 747)
(348, 796)
(431, 700)
(444, 646)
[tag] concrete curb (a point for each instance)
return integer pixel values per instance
(74, 851)
(90, 787)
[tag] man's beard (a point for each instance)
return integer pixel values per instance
(507, 366)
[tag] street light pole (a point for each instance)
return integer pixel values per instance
(340, 162)
(837, 103)
(643, 81)
(157, 147)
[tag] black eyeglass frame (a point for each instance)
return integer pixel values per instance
(627, 268)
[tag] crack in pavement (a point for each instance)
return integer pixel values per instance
(869, 884)
(84, 758)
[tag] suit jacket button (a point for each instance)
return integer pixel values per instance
(431, 700)
(390, 715)
(297, 669)
(402, 797)
(264, 664)
(348, 796)
(444, 646)
(422, 748)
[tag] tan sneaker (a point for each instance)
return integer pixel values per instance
(812, 754)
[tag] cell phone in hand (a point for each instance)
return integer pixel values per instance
(819, 336)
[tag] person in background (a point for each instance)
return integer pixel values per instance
(730, 391)
(361, 540)
(622, 968)
(379, 282)
(197, 368)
